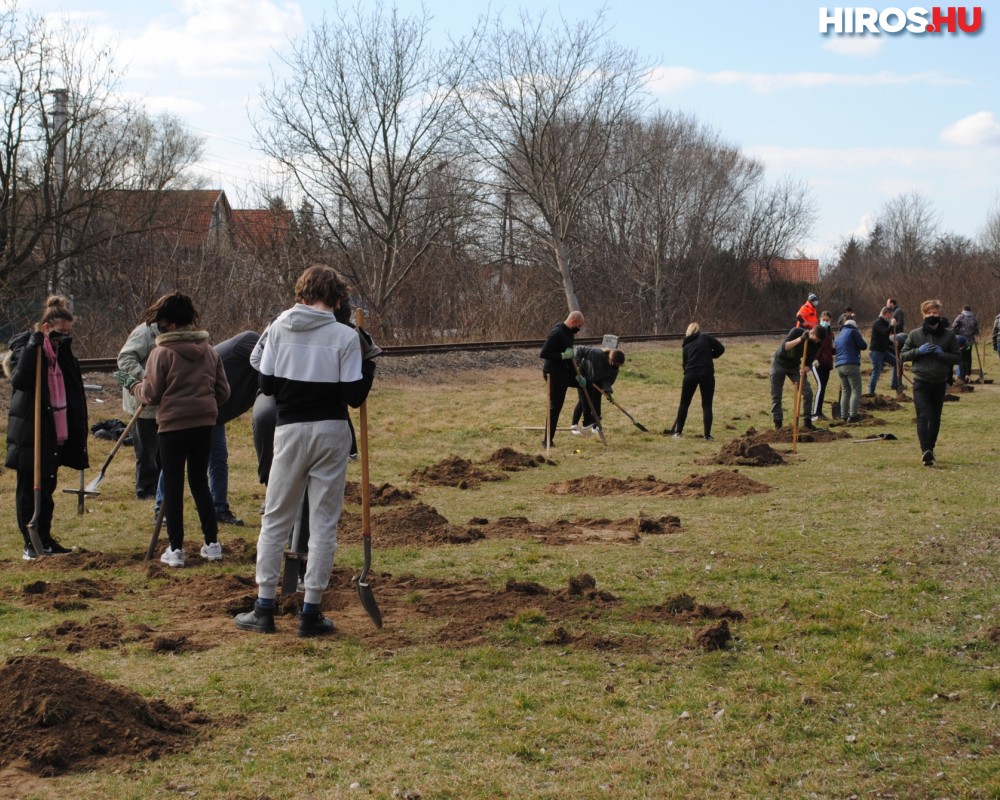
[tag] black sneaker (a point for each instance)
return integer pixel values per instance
(258, 620)
(550, 444)
(708, 437)
(29, 553)
(777, 424)
(928, 458)
(809, 426)
(854, 418)
(227, 517)
(314, 624)
(53, 548)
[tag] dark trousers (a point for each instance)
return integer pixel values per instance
(583, 409)
(147, 457)
(928, 398)
(24, 498)
(705, 383)
(822, 376)
(191, 446)
(965, 365)
(558, 384)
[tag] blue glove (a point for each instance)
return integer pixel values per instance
(124, 380)
(926, 348)
(581, 381)
(938, 350)
(567, 354)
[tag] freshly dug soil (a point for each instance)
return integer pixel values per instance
(510, 460)
(784, 435)
(384, 495)
(58, 719)
(747, 451)
(722, 483)
(455, 471)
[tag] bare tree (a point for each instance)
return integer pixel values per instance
(543, 103)
(363, 123)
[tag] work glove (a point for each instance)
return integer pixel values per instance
(567, 354)
(36, 339)
(938, 350)
(124, 380)
(581, 381)
(369, 349)
(926, 349)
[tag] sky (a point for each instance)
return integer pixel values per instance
(860, 119)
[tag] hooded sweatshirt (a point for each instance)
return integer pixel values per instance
(849, 345)
(185, 378)
(312, 366)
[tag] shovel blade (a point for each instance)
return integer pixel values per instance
(32, 526)
(368, 601)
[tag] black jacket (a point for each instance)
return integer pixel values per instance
(244, 380)
(699, 351)
(21, 423)
(595, 367)
(559, 339)
(880, 341)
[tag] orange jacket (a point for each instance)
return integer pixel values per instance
(807, 317)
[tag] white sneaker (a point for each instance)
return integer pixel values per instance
(594, 429)
(173, 558)
(574, 429)
(212, 552)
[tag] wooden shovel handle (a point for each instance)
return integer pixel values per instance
(366, 500)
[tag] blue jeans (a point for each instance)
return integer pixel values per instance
(218, 469)
(878, 361)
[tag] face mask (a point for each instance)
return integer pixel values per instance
(825, 323)
(574, 330)
(58, 337)
(932, 323)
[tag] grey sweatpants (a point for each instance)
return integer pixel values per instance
(309, 455)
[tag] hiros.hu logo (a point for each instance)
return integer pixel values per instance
(896, 20)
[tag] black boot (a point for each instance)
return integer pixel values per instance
(314, 624)
(258, 620)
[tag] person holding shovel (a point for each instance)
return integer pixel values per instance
(966, 326)
(933, 349)
(847, 359)
(557, 355)
(63, 419)
(185, 379)
(315, 367)
(791, 361)
(600, 367)
(698, 354)
(132, 359)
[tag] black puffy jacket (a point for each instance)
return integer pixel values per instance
(21, 424)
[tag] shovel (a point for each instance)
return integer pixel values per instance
(91, 488)
(297, 551)
(36, 540)
(361, 581)
(632, 419)
(157, 527)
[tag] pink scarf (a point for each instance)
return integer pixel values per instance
(57, 392)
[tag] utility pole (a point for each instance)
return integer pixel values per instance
(61, 278)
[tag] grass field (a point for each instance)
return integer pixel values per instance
(866, 662)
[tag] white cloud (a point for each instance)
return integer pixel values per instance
(855, 46)
(212, 37)
(976, 130)
(672, 79)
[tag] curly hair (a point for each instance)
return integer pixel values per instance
(320, 282)
(175, 308)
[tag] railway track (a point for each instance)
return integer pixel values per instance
(110, 364)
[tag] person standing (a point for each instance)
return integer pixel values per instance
(882, 348)
(788, 363)
(967, 326)
(315, 367)
(132, 359)
(996, 334)
(63, 421)
(806, 317)
(243, 382)
(185, 379)
(823, 365)
(600, 367)
(557, 354)
(933, 349)
(698, 354)
(847, 360)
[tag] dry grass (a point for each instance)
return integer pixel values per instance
(865, 666)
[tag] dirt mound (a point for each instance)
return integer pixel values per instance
(57, 718)
(722, 483)
(564, 531)
(384, 495)
(104, 632)
(419, 524)
(68, 595)
(746, 451)
(881, 402)
(714, 637)
(510, 460)
(784, 435)
(455, 471)
(960, 388)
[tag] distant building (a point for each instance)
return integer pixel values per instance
(784, 270)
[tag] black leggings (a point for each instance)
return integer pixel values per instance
(705, 381)
(928, 399)
(192, 446)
